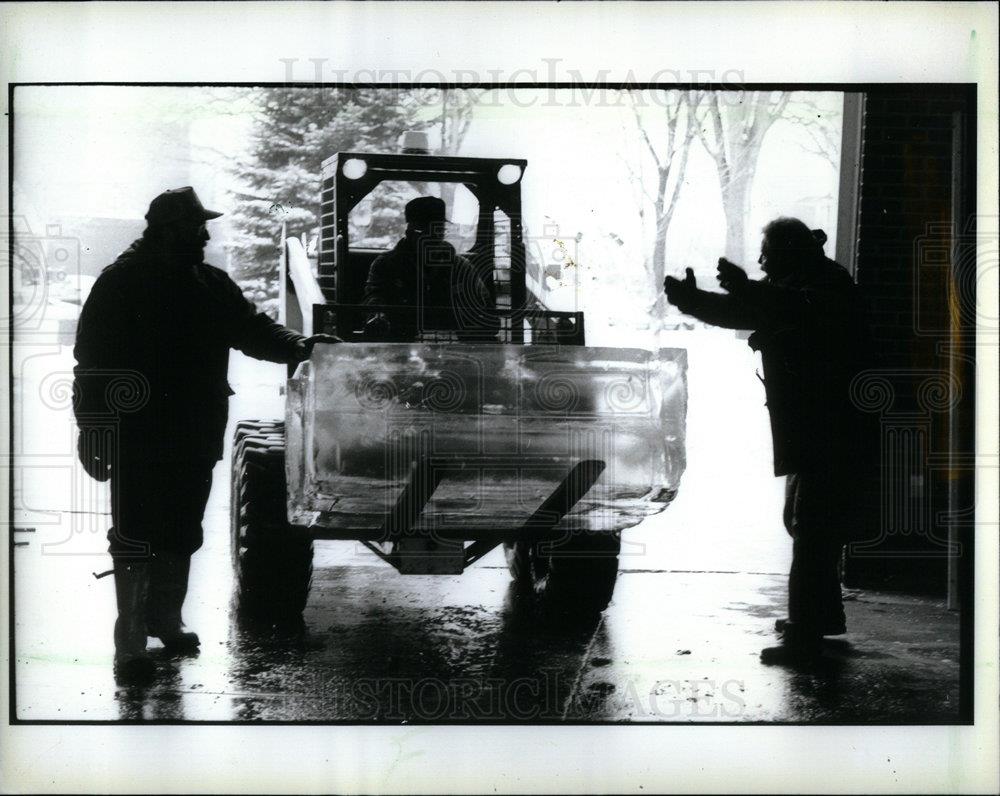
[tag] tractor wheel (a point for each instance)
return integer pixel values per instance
(272, 560)
(577, 574)
(528, 569)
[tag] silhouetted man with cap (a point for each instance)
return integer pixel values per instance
(811, 329)
(151, 401)
(429, 285)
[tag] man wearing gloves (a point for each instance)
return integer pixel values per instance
(809, 324)
(151, 401)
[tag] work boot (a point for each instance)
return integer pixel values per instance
(132, 665)
(168, 588)
(799, 647)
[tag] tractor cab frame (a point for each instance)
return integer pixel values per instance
(332, 301)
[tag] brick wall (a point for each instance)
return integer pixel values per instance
(904, 266)
(906, 188)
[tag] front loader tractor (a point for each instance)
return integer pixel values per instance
(433, 452)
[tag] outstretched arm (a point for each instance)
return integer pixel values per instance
(258, 336)
(823, 298)
(727, 311)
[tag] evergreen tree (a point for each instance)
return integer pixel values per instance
(297, 128)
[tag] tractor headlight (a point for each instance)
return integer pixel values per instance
(508, 174)
(354, 168)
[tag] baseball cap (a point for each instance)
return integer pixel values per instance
(178, 204)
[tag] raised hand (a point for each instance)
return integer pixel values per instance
(731, 277)
(681, 292)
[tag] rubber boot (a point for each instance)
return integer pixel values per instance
(168, 590)
(133, 666)
(799, 647)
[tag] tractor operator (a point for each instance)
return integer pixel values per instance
(424, 284)
(151, 401)
(811, 329)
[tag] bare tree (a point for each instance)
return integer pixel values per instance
(457, 109)
(668, 145)
(732, 129)
(819, 123)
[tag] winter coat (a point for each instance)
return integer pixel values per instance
(812, 333)
(152, 352)
(436, 280)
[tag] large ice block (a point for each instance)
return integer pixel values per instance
(504, 424)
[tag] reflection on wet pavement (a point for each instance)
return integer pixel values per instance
(376, 646)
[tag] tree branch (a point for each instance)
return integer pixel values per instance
(645, 136)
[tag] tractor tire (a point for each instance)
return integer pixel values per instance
(577, 574)
(272, 560)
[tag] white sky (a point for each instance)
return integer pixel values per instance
(107, 150)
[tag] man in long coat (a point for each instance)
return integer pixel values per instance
(811, 330)
(151, 401)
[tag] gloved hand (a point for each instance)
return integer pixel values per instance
(305, 347)
(681, 292)
(92, 451)
(377, 327)
(731, 277)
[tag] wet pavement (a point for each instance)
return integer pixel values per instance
(699, 590)
(378, 646)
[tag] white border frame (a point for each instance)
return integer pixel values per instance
(760, 42)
